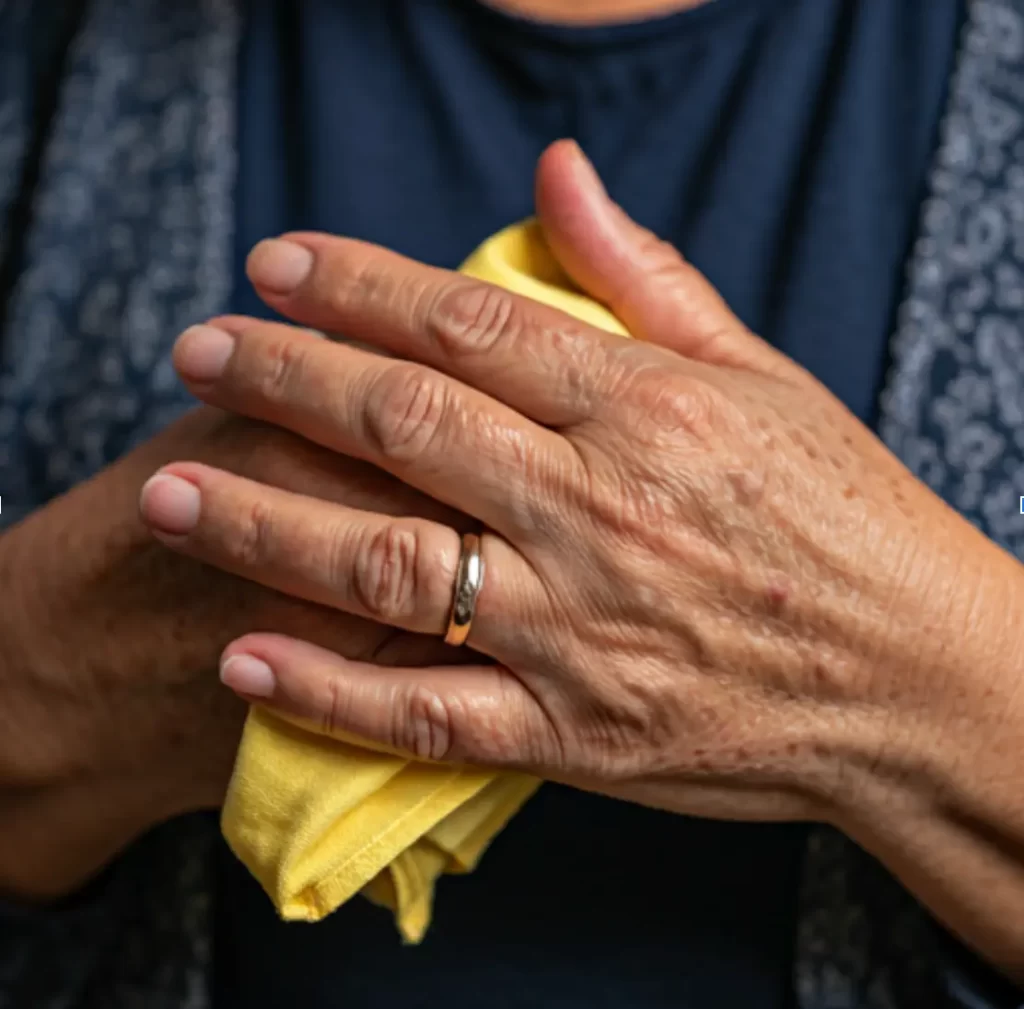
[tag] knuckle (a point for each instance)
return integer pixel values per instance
(384, 573)
(404, 411)
(676, 404)
(661, 259)
(689, 406)
(422, 724)
(282, 364)
(253, 543)
(336, 708)
(354, 278)
(474, 319)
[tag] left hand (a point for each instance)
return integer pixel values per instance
(708, 586)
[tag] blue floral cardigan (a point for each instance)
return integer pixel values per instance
(116, 215)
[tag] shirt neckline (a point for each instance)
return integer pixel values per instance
(570, 36)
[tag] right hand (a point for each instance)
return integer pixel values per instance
(112, 717)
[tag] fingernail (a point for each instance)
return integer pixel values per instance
(279, 266)
(169, 504)
(202, 353)
(245, 674)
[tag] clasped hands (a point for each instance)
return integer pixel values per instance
(708, 587)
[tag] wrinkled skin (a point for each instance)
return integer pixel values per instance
(112, 718)
(708, 587)
(705, 584)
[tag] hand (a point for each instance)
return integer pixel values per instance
(111, 714)
(708, 586)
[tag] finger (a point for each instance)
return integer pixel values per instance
(279, 458)
(658, 295)
(448, 440)
(395, 571)
(538, 360)
(481, 715)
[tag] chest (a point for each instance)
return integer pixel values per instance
(782, 145)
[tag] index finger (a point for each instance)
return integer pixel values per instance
(542, 362)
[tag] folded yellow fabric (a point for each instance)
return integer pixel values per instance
(317, 819)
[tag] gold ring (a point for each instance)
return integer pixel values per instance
(468, 581)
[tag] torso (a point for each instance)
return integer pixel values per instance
(782, 145)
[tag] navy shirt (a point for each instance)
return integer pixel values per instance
(783, 146)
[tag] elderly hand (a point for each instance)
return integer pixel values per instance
(708, 587)
(111, 716)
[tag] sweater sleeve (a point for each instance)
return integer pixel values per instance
(137, 937)
(49, 955)
(34, 42)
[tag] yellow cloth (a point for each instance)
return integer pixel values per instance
(319, 819)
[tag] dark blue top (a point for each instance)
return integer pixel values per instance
(783, 146)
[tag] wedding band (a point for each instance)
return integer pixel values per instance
(468, 581)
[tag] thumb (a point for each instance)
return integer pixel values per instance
(658, 295)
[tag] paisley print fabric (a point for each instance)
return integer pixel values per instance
(142, 134)
(954, 406)
(13, 106)
(953, 411)
(130, 241)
